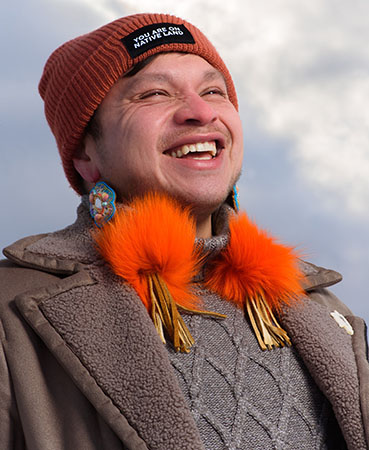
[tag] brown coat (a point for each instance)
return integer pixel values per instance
(82, 367)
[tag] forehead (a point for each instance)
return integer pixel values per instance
(163, 65)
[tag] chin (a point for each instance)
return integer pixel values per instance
(202, 203)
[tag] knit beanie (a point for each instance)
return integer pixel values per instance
(78, 75)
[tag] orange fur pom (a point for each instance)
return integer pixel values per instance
(254, 264)
(152, 235)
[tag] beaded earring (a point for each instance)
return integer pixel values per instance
(102, 203)
(235, 198)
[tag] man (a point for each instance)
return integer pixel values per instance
(99, 348)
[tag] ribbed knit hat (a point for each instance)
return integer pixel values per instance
(78, 75)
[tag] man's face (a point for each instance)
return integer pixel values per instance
(170, 128)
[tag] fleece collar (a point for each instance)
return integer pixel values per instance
(71, 250)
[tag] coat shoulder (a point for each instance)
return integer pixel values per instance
(15, 280)
(325, 297)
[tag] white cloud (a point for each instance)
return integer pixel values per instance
(107, 10)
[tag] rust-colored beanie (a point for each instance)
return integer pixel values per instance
(78, 75)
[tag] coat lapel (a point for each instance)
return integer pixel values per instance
(361, 354)
(327, 352)
(100, 332)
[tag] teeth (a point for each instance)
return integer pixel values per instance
(205, 156)
(196, 148)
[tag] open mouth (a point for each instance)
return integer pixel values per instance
(200, 150)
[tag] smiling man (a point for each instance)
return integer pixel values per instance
(172, 128)
(163, 318)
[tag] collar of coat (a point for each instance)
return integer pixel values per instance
(71, 250)
(110, 363)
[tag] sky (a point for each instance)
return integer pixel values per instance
(301, 71)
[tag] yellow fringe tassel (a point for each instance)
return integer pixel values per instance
(166, 317)
(266, 327)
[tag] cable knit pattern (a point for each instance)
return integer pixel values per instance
(243, 398)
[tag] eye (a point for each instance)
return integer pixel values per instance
(215, 91)
(153, 93)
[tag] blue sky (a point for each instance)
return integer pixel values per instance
(301, 71)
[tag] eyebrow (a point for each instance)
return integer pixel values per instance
(209, 75)
(213, 74)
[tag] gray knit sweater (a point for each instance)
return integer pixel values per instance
(242, 397)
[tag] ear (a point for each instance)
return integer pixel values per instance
(84, 160)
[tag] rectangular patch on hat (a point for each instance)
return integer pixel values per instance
(152, 36)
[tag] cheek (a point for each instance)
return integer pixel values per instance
(237, 136)
(237, 125)
(138, 131)
(232, 120)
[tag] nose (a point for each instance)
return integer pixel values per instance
(194, 110)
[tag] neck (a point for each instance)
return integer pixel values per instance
(203, 228)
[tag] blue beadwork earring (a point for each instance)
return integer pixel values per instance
(102, 203)
(235, 199)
